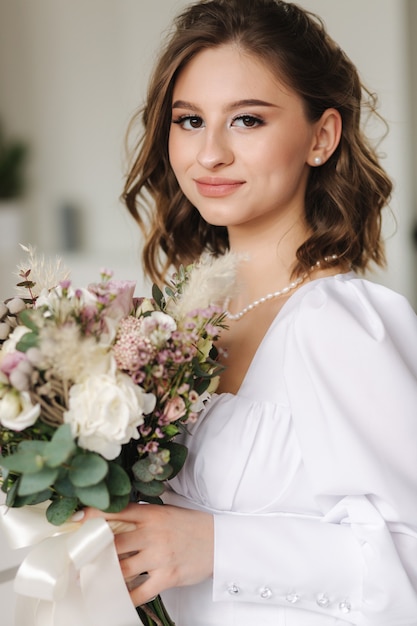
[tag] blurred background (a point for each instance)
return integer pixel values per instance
(72, 73)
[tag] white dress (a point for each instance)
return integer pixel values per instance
(310, 470)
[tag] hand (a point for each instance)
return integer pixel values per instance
(175, 546)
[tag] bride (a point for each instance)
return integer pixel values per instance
(297, 504)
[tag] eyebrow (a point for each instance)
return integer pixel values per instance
(249, 102)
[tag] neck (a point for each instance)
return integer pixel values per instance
(268, 259)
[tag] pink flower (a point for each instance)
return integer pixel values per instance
(174, 409)
(10, 361)
(122, 302)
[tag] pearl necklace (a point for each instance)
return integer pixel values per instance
(275, 294)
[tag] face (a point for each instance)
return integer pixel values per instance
(239, 141)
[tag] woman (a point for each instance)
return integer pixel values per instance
(297, 504)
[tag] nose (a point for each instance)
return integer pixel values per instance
(215, 150)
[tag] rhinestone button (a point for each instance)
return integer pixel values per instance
(233, 589)
(265, 593)
(345, 606)
(292, 597)
(323, 600)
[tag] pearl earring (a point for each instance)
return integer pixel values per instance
(318, 160)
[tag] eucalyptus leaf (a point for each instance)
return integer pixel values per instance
(26, 317)
(61, 447)
(118, 503)
(96, 496)
(157, 295)
(141, 470)
(87, 469)
(4, 483)
(117, 480)
(164, 473)
(29, 340)
(12, 494)
(151, 499)
(154, 488)
(29, 462)
(177, 456)
(60, 510)
(35, 498)
(63, 485)
(36, 445)
(33, 483)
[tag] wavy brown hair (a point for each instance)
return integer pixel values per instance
(344, 197)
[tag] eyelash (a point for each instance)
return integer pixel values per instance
(255, 121)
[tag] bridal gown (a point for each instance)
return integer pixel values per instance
(310, 470)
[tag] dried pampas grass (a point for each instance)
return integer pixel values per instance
(212, 280)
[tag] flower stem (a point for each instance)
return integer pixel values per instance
(154, 613)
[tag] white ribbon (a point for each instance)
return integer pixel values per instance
(71, 575)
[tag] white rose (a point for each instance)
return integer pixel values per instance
(17, 411)
(105, 412)
(158, 328)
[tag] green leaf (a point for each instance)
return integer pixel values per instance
(198, 370)
(96, 496)
(202, 385)
(177, 455)
(26, 316)
(61, 447)
(33, 483)
(37, 446)
(117, 480)
(35, 498)
(24, 462)
(60, 510)
(63, 485)
(87, 469)
(118, 503)
(12, 494)
(4, 474)
(165, 472)
(170, 430)
(157, 295)
(141, 472)
(151, 499)
(154, 488)
(29, 340)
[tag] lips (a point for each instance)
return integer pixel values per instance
(214, 187)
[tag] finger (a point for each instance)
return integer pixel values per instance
(147, 590)
(124, 521)
(127, 514)
(132, 565)
(128, 542)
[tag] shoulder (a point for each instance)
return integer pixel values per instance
(345, 304)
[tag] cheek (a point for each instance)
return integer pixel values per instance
(177, 155)
(171, 151)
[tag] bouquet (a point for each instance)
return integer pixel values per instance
(95, 384)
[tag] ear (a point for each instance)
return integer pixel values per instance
(328, 130)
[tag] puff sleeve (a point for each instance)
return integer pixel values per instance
(354, 404)
(350, 368)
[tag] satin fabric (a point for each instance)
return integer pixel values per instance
(71, 574)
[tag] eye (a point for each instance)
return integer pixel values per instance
(189, 122)
(247, 121)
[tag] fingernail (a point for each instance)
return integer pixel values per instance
(78, 516)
